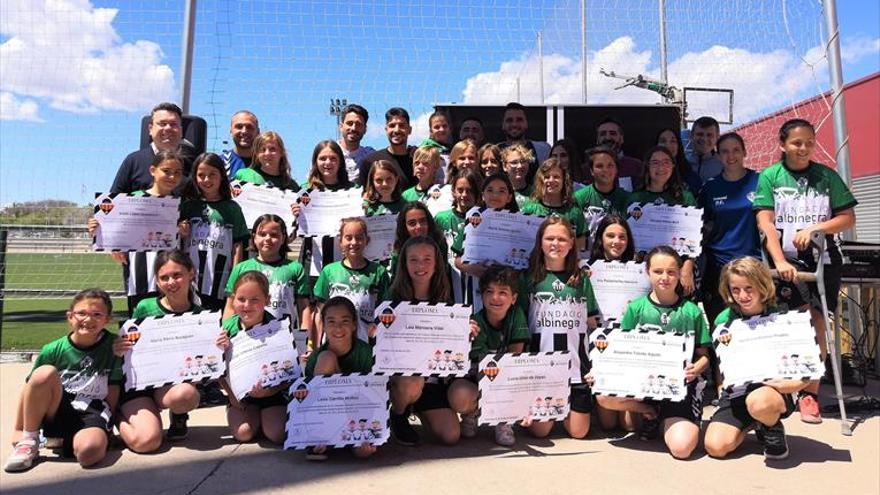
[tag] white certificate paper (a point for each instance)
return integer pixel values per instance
(382, 230)
(343, 410)
(499, 236)
(615, 284)
(438, 198)
(644, 363)
(322, 210)
(680, 227)
(135, 223)
(516, 386)
(779, 346)
(172, 349)
(256, 200)
(421, 339)
(265, 354)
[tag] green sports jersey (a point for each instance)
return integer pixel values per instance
(570, 212)
(287, 281)
(86, 373)
(364, 287)
(414, 194)
(595, 205)
(373, 208)
(215, 228)
(514, 330)
(803, 198)
(359, 359)
(452, 224)
(645, 196)
(258, 177)
(152, 306)
(232, 325)
(681, 317)
(557, 315)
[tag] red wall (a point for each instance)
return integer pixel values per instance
(862, 100)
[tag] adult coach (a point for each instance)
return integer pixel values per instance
(352, 128)
(515, 125)
(702, 158)
(630, 171)
(398, 129)
(243, 129)
(166, 134)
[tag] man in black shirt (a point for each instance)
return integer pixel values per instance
(398, 129)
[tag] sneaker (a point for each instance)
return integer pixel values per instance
(650, 429)
(808, 405)
(53, 443)
(504, 435)
(23, 455)
(402, 432)
(177, 430)
(314, 455)
(469, 425)
(211, 395)
(775, 443)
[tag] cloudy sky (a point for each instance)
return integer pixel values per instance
(75, 75)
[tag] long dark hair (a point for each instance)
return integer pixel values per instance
(673, 185)
(681, 163)
(598, 251)
(314, 179)
(538, 270)
(433, 231)
(440, 290)
(503, 177)
(269, 217)
(791, 125)
(214, 161)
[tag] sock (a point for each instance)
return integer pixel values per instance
(31, 434)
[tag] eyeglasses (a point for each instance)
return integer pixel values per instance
(82, 315)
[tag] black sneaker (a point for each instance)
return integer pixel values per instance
(775, 443)
(402, 432)
(211, 395)
(177, 430)
(650, 429)
(314, 455)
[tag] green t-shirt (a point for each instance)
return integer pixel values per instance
(414, 194)
(363, 287)
(152, 307)
(645, 196)
(595, 205)
(373, 208)
(801, 199)
(359, 359)
(232, 325)
(514, 329)
(259, 177)
(570, 212)
(287, 281)
(215, 228)
(681, 317)
(86, 373)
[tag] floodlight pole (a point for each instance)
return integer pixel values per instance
(838, 109)
(584, 50)
(541, 66)
(663, 75)
(189, 32)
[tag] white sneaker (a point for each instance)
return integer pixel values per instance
(504, 435)
(23, 455)
(469, 425)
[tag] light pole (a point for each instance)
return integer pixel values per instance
(336, 106)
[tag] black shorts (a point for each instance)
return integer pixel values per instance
(278, 399)
(580, 398)
(136, 394)
(691, 408)
(434, 396)
(69, 421)
(733, 411)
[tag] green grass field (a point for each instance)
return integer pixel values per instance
(32, 322)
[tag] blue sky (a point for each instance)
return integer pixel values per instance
(76, 82)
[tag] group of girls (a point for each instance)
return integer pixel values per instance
(332, 293)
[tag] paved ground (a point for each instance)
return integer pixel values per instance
(209, 462)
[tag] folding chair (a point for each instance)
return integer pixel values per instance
(832, 332)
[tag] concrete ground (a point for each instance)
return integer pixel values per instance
(209, 462)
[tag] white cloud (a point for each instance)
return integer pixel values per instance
(68, 54)
(11, 108)
(762, 81)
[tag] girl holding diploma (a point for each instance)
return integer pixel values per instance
(421, 276)
(356, 278)
(516, 159)
(663, 184)
(665, 308)
(167, 172)
(289, 289)
(490, 159)
(140, 421)
(270, 165)
(557, 297)
(747, 287)
(214, 229)
(342, 353)
(451, 223)
(383, 190)
(498, 194)
(463, 156)
(264, 409)
(553, 196)
(795, 197)
(415, 219)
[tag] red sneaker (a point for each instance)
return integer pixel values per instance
(808, 405)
